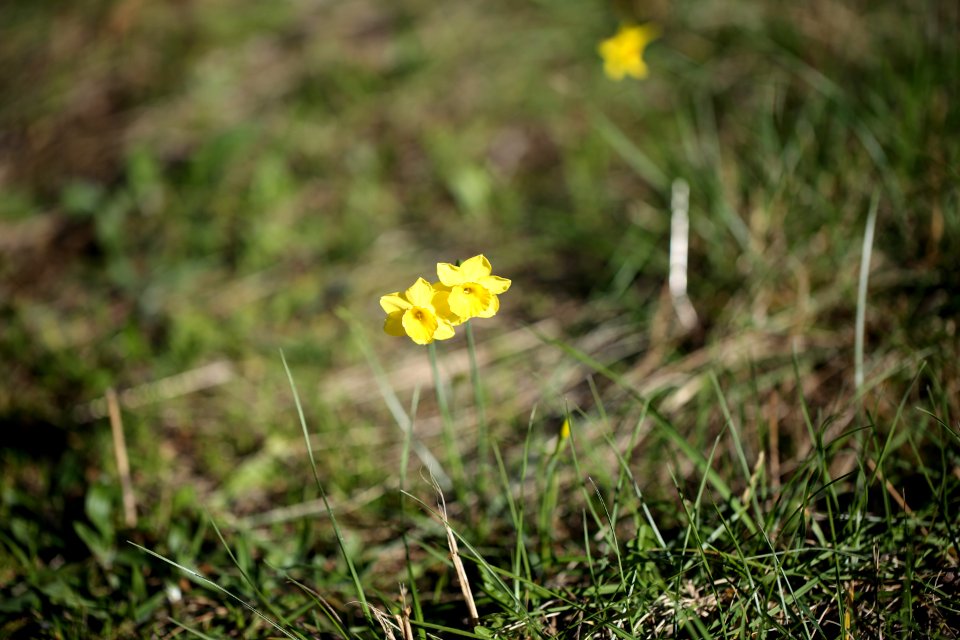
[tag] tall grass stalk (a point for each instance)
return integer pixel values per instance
(323, 495)
(862, 290)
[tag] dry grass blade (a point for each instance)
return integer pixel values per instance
(123, 462)
(455, 558)
(385, 623)
(205, 377)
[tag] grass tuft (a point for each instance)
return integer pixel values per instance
(718, 401)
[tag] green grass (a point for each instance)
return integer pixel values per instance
(190, 190)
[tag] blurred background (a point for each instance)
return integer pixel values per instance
(187, 188)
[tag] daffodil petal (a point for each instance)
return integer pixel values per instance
(393, 302)
(460, 303)
(468, 300)
(475, 268)
(441, 304)
(420, 324)
(393, 325)
(449, 274)
(495, 284)
(444, 331)
(614, 72)
(492, 307)
(420, 294)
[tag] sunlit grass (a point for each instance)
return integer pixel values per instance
(185, 191)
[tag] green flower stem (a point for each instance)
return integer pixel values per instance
(483, 443)
(449, 437)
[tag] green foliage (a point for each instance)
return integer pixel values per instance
(187, 188)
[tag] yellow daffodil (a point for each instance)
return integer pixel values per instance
(420, 312)
(623, 53)
(563, 436)
(472, 290)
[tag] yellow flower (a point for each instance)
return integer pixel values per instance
(563, 436)
(473, 291)
(623, 53)
(420, 312)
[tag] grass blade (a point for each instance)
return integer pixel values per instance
(323, 495)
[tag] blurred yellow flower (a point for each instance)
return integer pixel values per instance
(473, 291)
(623, 53)
(420, 312)
(563, 436)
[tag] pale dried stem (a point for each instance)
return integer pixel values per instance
(403, 618)
(385, 623)
(205, 377)
(407, 629)
(679, 254)
(123, 462)
(457, 562)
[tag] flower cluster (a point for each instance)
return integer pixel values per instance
(623, 53)
(428, 312)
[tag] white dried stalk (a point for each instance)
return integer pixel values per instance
(679, 253)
